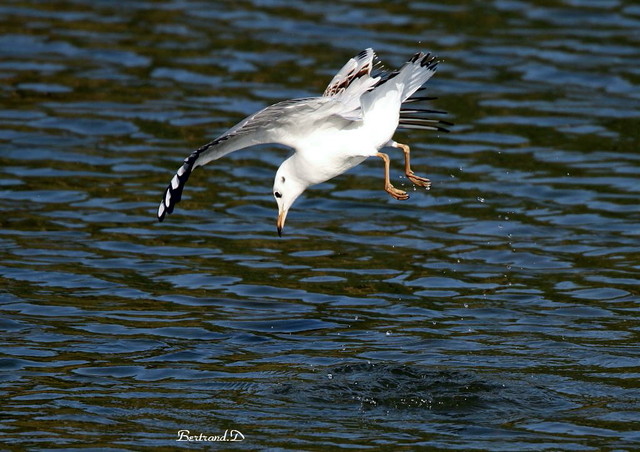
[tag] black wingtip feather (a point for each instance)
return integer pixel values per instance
(422, 127)
(173, 192)
(416, 120)
(173, 195)
(430, 62)
(409, 111)
(419, 98)
(415, 57)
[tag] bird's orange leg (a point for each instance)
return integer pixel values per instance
(393, 191)
(417, 180)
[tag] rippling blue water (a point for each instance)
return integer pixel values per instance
(498, 310)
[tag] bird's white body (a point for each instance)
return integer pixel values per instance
(327, 154)
(323, 153)
(357, 116)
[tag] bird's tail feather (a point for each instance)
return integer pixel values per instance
(409, 78)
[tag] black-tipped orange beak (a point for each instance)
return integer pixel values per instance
(280, 223)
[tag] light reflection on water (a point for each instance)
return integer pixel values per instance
(497, 310)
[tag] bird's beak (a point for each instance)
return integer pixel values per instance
(280, 223)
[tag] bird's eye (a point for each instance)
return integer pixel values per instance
(277, 194)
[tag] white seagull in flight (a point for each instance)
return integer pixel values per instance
(356, 116)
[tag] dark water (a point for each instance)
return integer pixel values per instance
(498, 310)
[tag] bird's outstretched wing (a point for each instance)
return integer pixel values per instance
(418, 70)
(356, 69)
(356, 88)
(411, 76)
(278, 123)
(351, 82)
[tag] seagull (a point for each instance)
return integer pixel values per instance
(355, 117)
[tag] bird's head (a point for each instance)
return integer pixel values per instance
(286, 189)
